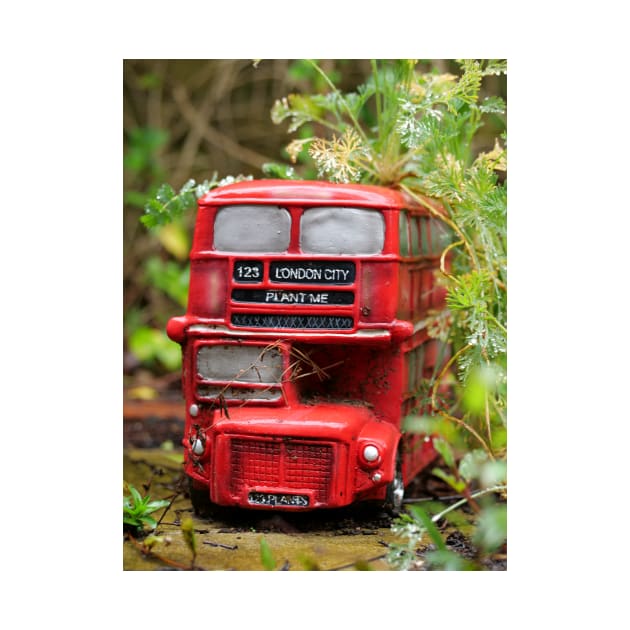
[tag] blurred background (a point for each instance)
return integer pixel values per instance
(188, 119)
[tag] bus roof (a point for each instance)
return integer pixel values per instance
(279, 191)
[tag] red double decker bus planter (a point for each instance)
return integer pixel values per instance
(305, 342)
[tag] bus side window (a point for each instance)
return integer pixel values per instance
(441, 236)
(416, 284)
(419, 356)
(415, 239)
(427, 288)
(430, 358)
(425, 236)
(404, 234)
(411, 371)
(437, 354)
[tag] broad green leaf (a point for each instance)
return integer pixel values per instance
(429, 525)
(165, 194)
(150, 344)
(420, 424)
(148, 520)
(137, 498)
(157, 505)
(493, 473)
(444, 449)
(451, 480)
(153, 206)
(169, 355)
(135, 198)
(480, 386)
(174, 238)
(169, 276)
(471, 464)
(144, 341)
(491, 530)
(281, 171)
(447, 560)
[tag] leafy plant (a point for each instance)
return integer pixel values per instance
(416, 526)
(417, 131)
(143, 146)
(137, 510)
(168, 205)
(152, 345)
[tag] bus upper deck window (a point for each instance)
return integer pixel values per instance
(342, 231)
(252, 229)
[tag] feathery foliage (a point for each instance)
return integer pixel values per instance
(416, 132)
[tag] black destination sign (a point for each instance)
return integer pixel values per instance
(276, 296)
(312, 272)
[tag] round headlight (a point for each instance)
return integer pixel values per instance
(370, 453)
(198, 447)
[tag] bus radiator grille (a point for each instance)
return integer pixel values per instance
(290, 465)
(306, 322)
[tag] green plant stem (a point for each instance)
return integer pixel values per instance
(498, 411)
(376, 92)
(444, 371)
(364, 165)
(448, 416)
(497, 322)
(488, 427)
(447, 220)
(341, 99)
(443, 258)
(475, 495)
(465, 425)
(325, 123)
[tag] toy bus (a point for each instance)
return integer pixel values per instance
(305, 343)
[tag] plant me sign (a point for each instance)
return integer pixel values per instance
(272, 296)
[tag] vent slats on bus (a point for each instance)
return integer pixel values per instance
(308, 322)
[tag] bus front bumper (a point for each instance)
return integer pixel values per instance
(297, 464)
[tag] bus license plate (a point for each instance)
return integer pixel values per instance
(266, 498)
